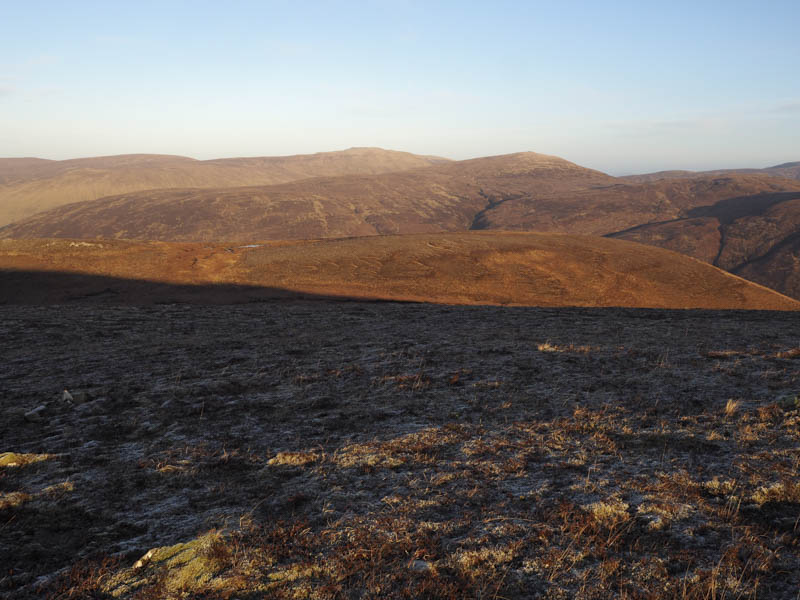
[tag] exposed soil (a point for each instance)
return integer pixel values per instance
(398, 450)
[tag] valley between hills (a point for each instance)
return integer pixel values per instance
(374, 374)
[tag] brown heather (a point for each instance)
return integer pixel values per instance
(479, 267)
(381, 450)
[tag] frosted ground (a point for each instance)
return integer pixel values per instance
(330, 450)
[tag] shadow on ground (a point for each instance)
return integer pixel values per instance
(21, 287)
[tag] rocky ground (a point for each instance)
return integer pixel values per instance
(377, 450)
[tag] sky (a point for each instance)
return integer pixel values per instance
(623, 87)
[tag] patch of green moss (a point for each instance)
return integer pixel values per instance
(186, 567)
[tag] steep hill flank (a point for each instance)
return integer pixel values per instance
(605, 209)
(464, 268)
(778, 268)
(29, 186)
(754, 236)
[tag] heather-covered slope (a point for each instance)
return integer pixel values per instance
(29, 186)
(753, 236)
(456, 268)
(445, 197)
(599, 210)
(523, 192)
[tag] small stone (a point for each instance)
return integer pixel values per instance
(142, 562)
(36, 415)
(420, 566)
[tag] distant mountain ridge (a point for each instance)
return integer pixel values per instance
(521, 192)
(788, 170)
(451, 196)
(29, 186)
(745, 222)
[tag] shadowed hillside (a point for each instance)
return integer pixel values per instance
(604, 209)
(466, 268)
(29, 185)
(753, 236)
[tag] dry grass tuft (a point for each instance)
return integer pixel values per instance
(13, 499)
(731, 408)
(791, 353)
(294, 459)
(610, 512)
(784, 491)
(571, 348)
(15, 459)
(725, 353)
(83, 580)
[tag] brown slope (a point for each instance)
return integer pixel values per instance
(606, 209)
(658, 175)
(459, 268)
(789, 170)
(444, 197)
(16, 168)
(699, 237)
(334, 207)
(753, 236)
(29, 186)
(779, 268)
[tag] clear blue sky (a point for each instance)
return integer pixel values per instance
(619, 86)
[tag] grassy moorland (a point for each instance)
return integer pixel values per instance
(382, 450)
(525, 191)
(528, 269)
(30, 185)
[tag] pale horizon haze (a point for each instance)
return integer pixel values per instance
(623, 87)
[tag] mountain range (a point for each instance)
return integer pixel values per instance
(744, 221)
(31, 185)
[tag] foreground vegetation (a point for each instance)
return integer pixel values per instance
(345, 450)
